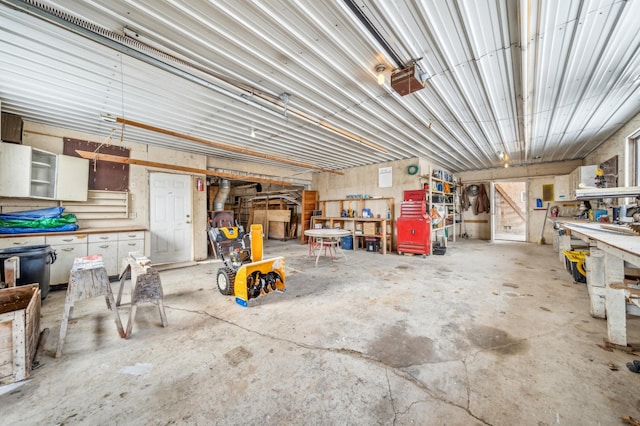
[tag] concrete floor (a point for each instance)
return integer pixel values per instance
(492, 334)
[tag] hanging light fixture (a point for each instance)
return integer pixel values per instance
(380, 71)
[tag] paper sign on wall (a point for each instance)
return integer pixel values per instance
(385, 177)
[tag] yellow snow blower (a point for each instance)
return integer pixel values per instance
(245, 274)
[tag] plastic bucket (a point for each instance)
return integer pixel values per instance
(347, 243)
(34, 265)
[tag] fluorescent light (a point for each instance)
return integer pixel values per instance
(110, 118)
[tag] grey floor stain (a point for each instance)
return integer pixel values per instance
(397, 348)
(495, 339)
(237, 355)
(404, 267)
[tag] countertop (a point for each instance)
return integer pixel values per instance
(79, 231)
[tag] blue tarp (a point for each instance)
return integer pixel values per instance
(51, 212)
(64, 228)
(35, 221)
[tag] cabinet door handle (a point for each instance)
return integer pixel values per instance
(67, 239)
(19, 243)
(68, 249)
(104, 246)
(131, 235)
(104, 238)
(132, 244)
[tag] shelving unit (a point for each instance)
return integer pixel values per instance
(361, 227)
(308, 204)
(100, 205)
(445, 203)
(43, 174)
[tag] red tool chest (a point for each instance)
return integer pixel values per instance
(414, 225)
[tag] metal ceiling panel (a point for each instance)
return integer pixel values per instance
(539, 80)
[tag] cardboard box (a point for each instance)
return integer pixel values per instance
(369, 228)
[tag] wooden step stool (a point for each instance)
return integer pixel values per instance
(88, 278)
(146, 286)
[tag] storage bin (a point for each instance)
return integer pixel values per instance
(34, 265)
(347, 243)
(574, 261)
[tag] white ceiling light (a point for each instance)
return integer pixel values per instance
(380, 71)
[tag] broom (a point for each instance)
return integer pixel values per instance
(541, 240)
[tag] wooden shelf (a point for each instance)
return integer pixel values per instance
(385, 225)
(446, 207)
(100, 205)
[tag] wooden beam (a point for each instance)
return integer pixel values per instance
(510, 201)
(126, 160)
(221, 145)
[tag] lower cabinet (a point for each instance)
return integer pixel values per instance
(67, 248)
(113, 246)
(107, 246)
(11, 242)
(130, 242)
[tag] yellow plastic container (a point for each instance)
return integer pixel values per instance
(575, 264)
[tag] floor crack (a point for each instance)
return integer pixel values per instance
(393, 405)
(354, 353)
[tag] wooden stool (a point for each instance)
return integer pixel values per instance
(146, 286)
(88, 279)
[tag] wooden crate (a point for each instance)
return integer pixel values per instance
(369, 228)
(19, 331)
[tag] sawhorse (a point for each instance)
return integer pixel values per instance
(88, 279)
(146, 286)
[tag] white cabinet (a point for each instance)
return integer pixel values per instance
(561, 188)
(33, 173)
(113, 246)
(105, 245)
(67, 248)
(129, 242)
(15, 170)
(72, 178)
(20, 242)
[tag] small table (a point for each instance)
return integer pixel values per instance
(319, 237)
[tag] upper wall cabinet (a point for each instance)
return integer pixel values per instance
(33, 173)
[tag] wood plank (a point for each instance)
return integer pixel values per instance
(6, 336)
(19, 346)
(123, 160)
(273, 215)
(617, 228)
(225, 146)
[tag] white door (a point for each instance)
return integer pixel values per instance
(170, 217)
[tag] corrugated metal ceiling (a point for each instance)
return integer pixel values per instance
(539, 80)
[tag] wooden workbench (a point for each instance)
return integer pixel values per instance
(609, 249)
